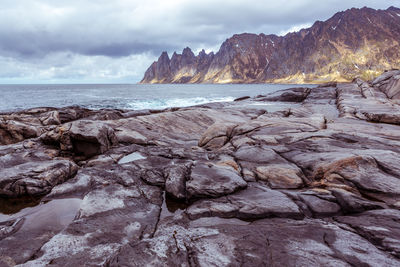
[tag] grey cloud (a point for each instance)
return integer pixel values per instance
(34, 30)
(38, 44)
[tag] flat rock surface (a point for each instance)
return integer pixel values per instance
(312, 182)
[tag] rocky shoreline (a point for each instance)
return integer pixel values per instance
(254, 182)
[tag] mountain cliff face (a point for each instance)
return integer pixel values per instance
(354, 43)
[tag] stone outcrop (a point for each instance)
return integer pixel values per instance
(354, 43)
(316, 182)
(29, 168)
(84, 137)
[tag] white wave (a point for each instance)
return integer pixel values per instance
(175, 102)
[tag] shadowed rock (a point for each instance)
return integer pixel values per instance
(83, 138)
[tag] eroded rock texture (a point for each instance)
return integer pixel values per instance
(223, 184)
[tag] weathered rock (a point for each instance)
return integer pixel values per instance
(210, 180)
(253, 203)
(288, 95)
(130, 137)
(35, 178)
(15, 131)
(363, 172)
(280, 176)
(217, 135)
(263, 243)
(175, 183)
(389, 83)
(380, 227)
(117, 208)
(311, 183)
(108, 218)
(84, 138)
(38, 225)
(320, 207)
(373, 106)
(352, 203)
(52, 118)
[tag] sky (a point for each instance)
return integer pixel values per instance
(103, 41)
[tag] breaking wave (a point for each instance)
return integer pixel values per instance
(175, 102)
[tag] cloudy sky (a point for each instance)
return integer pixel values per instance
(103, 41)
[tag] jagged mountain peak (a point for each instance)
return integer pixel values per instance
(187, 52)
(164, 57)
(358, 42)
(392, 8)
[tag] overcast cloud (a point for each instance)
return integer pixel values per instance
(73, 41)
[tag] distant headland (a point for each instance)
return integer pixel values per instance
(353, 43)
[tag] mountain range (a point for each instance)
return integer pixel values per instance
(353, 43)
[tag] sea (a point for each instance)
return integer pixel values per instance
(114, 96)
(126, 96)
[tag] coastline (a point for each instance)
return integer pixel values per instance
(215, 184)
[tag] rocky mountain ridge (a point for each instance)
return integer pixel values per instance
(354, 43)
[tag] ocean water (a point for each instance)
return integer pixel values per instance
(126, 96)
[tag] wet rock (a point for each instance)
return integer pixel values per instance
(242, 98)
(175, 183)
(31, 123)
(90, 178)
(217, 135)
(280, 176)
(103, 160)
(373, 106)
(320, 207)
(263, 243)
(151, 169)
(352, 203)
(363, 172)
(253, 203)
(389, 83)
(35, 178)
(9, 227)
(73, 113)
(288, 95)
(84, 138)
(52, 118)
(177, 245)
(104, 224)
(314, 183)
(239, 141)
(256, 154)
(117, 208)
(381, 227)
(210, 180)
(130, 137)
(15, 131)
(38, 225)
(184, 126)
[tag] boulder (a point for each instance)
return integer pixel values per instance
(288, 95)
(280, 176)
(216, 135)
(175, 184)
(83, 138)
(35, 178)
(211, 180)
